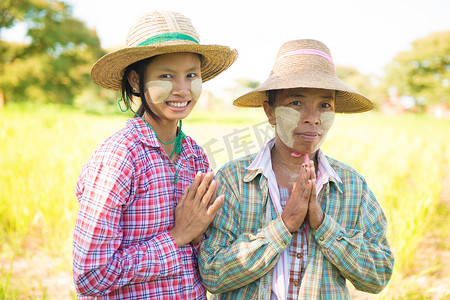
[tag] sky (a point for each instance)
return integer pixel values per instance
(364, 34)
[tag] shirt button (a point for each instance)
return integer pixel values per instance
(299, 255)
(296, 283)
(321, 238)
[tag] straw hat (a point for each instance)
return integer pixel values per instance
(307, 64)
(159, 33)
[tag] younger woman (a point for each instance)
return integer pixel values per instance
(147, 193)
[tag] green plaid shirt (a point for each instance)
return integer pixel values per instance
(237, 259)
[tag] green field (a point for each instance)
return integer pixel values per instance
(42, 148)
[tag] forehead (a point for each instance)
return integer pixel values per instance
(176, 60)
(305, 92)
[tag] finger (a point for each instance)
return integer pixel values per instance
(296, 188)
(307, 191)
(305, 176)
(312, 197)
(203, 187)
(306, 173)
(214, 192)
(194, 186)
(212, 188)
(214, 208)
(313, 170)
(184, 195)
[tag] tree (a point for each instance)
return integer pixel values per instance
(12, 11)
(424, 71)
(55, 65)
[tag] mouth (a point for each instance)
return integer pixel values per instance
(308, 136)
(178, 104)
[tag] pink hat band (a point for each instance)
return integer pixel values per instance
(308, 51)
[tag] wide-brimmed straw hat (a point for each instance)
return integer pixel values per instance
(306, 64)
(160, 33)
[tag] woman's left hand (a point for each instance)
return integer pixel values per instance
(315, 213)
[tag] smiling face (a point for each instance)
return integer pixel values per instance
(302, 117)
(173, 85)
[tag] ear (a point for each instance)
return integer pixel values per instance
(270, 113)
(133, 79)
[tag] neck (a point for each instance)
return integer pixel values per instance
(285, 166)
(281, 155)
(166, 130)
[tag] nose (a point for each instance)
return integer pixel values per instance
(181, 87)
(310, 116)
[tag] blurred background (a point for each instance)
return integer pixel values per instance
(52, 117)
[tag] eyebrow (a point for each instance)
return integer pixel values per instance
(296, 95)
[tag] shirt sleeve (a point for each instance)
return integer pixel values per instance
(101, 262)
(230, 258)
(362, 254)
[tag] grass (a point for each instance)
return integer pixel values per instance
(43, 148)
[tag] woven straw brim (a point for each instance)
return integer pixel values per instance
(347, 99)
(108, 70)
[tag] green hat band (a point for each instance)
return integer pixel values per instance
(164, 37)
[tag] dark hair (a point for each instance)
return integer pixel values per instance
(271, 96)
(127, 90)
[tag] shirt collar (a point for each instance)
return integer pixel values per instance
(262, 162)
(325, 167)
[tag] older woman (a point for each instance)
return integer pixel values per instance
(295, 223)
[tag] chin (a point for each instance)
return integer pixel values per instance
(304, 150)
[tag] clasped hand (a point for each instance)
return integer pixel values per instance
(303, 201)
(196, 209)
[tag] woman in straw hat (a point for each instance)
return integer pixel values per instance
(147, 193)
(295, 223)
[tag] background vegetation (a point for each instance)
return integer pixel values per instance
(44, 147)
(50, 125)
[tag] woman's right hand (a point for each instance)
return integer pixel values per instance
(296, 208)
(196, 209)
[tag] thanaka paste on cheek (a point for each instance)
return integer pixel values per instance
(196, 89)
(159, 90)
(326, 121)
(287, 120)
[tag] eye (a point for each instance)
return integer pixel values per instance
(191, 75)
(325, 105)
(165, 76)
(296, 103)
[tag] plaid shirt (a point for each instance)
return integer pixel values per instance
(122, 248)
(298, 249)
(237, 259)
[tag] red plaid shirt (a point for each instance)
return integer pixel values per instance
(122, 248)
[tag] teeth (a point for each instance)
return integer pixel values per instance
(177, 104)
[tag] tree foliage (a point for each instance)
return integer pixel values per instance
(12, 11)
(55, 65)
(424, 71)
(365, 84)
